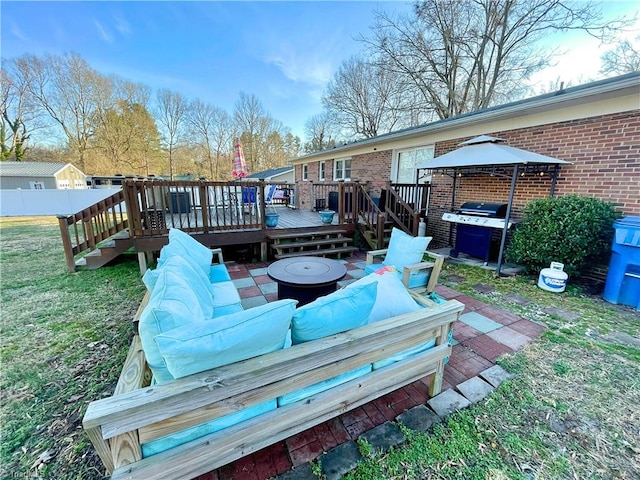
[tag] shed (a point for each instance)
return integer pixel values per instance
(276, 175)
(41, 176)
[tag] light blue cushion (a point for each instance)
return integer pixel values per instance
(408, 353)
(184, 245)
(334, 313)
(218, 273)
(170, 441)
(201, 346)
(417, 278)
(177, 268)
(405, 249)
(225, 298)
(322, 386)
(172, 304)
(392, 298)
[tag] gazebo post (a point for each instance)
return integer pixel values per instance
(503, 240)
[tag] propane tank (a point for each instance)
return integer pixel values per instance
(422, 228)
(554, 278)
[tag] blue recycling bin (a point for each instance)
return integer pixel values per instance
(180, 202)
(623, 279)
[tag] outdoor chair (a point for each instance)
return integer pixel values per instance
(249, 202)
(405, 256)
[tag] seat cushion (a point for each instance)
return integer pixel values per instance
(392, 298)
(405, 249)
(334, 313)
(170, 441)
(218, 273)
(227, 339)
(322, 386)
(184, 245)
(177, 268)
(226, 298)
(172, 304)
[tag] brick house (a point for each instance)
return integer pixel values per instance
(595, 126)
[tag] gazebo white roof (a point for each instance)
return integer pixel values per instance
(486, 151)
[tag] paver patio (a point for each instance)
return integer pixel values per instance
(483, 333)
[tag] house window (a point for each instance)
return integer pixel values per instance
(36, 185)
(342, 169)
(64, 184)
(322, 171)
(305, 172)
(404, 166)
(79, 184)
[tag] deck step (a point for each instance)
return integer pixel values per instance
(318, 253)
(313, 243)
(317, 233)
(107, 251)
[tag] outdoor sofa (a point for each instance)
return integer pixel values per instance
(206, 382)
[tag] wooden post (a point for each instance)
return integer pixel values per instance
(204, 206)
(66, 243)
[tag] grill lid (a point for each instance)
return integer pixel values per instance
(482, 209)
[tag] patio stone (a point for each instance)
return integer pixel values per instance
(496, 375)
(479, 322)
(454, 278)
(418, 418)
(515, 298)
(301, 472)
(356, 273)
(253, 302)
(244, 282)
(510, 338)
(475, 389)
(267, 288)
(340, 460)
(560, 313)
(448, 402)
(483, 288)
(258, 271)
(384, 436)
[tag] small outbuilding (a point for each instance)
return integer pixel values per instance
(41, 176)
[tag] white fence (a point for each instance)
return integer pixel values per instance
(27, 203)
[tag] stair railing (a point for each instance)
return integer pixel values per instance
(371, 218)
(84, 230)
(401, 213)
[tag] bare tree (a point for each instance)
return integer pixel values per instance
(171, 115)
(623, 58)
(321, 132)
(364, 98)
(70, 91)
(213, 131)
(250, 117)
(467, 55)
(15, 108)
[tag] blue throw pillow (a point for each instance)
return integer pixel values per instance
(198, 347)
(185, 246)
(172, 304)
(405, 249)
(334, 313)
(392, 298)
(178, 269)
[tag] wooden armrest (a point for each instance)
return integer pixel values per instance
(371, 255)
(218, 252)
(435, 266)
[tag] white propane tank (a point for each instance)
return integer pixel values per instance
(422, 228)
(554, 278)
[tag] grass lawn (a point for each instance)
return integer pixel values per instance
(572, 411)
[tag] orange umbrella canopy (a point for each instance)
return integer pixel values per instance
(239, 164)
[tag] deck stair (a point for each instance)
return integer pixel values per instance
(107, 251)
(318, 243)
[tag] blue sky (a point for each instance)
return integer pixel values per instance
(283, 52)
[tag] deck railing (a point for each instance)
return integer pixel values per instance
(83, 231)
(155, 206)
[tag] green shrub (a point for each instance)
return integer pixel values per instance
(574, 230)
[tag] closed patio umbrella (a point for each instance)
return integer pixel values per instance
(239, 164)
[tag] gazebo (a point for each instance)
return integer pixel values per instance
(491, 156)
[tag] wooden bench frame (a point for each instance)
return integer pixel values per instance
(435, 266)
(138, 413)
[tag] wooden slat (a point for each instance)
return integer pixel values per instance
(144, 407)
(220, 448)
(320, 252)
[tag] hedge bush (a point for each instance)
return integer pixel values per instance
(575, 230)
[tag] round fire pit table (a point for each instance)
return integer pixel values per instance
(306, 278)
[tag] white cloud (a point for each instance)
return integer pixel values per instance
(122, 26)
(15, 30)
(106, 36)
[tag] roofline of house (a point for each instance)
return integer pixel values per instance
(602, 89)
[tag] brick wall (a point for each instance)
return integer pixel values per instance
(604, 152)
